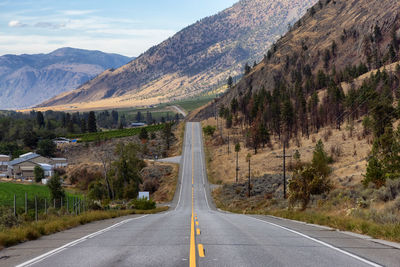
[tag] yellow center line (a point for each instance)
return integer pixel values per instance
(198, 231)
(192, 236)
(201, 251)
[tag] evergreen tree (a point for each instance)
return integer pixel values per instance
(167, 134)
(46, 148)
(139, 116)
(149, 118)
(56, 190)
(230, 82)
(38, 172)
(92, 127)
(143, 135)
(30, 138)
(247, 69)
(83, 125)
(115, 117)
(40, 119)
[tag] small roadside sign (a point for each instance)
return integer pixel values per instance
(144, 195)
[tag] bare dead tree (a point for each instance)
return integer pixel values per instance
(105, 156)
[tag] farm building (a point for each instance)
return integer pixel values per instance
(4, 159)
(59, 162)
(24, 166)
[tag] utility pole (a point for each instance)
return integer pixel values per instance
(237, 149)
(248, 159)
(228, 144)
(284, 156)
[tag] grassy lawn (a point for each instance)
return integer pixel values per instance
(8, 190)
(120, 133)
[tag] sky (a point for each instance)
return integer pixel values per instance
(127, 27)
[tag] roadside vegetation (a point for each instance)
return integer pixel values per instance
(104, 188)
(349, 179)
(57, 222)
(120, 133)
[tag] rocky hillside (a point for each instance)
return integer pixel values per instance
(341, 38)
(27, 80)
(197, 58)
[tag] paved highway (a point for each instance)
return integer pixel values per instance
(194, 233)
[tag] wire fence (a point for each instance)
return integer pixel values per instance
(36, 206)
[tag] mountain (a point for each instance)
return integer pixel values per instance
(198, 58)
(338, 40)
(26, 80)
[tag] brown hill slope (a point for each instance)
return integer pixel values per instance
(197, 58)
(331, 37)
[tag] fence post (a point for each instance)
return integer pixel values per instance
(62, 204)
(26, 203)
(54, 203)
(45, 206)
(79, 207)
(36, 209)
(67, 205)
(15, 205)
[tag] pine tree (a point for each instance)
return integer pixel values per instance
(40, 119)
(83, 125)
(92, 127)
(230, 82)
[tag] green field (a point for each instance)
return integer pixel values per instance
(8, 190)
(193, 103)
(91, 137)
(162, 110)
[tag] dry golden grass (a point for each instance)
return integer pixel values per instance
(53, 224)
(176, 148)
(348, 168)
(166, 191)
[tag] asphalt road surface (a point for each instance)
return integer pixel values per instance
(193, 233)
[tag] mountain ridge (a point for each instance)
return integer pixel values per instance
(333, 38)
(26, 80)
(197, 58)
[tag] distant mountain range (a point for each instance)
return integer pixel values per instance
(27, 80)
(198, 58)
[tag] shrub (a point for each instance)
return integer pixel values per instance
(39, 174)
(7, 218)
(306, 182)
(209, 130)
(151, 185)
(389, 192)
(56, 190)
(142, 204)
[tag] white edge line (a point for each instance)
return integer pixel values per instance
(320, 242)
(73, 243)
(183, 169)
(203, 167)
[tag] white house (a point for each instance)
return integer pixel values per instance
(59, 162)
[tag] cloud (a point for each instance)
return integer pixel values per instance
(125, 45)
(16, 24)
(48, 25)
(77, 12)
(134, 32)
(41, 24)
